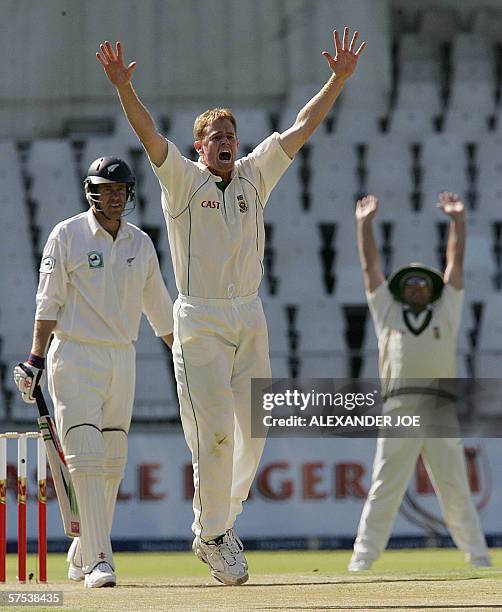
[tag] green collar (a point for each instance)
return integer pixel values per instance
(221, 185)
(410, 319)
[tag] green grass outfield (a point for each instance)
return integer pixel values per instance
(423, 579)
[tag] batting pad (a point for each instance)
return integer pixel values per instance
(95, 535)
(115, 453)
(74, 553)
(84, 449)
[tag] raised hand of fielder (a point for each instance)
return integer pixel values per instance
(344, 62)
(112, 61)
(366, 208)
(451, 204)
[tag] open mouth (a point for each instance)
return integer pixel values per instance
(224, 156)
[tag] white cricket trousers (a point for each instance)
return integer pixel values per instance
(92, 388)
(393, 467)
(219, 346)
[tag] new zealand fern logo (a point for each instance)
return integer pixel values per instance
(95, 259)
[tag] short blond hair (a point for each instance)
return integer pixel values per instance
(207, 117)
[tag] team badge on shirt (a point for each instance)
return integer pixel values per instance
(47, 264)
(95, 259)
(243, 207)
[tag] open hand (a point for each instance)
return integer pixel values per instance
(366, 208)
(344, 62)
(113, 64)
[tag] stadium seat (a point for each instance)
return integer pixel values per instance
(51, 165)
(155, 396)
(444, 158)
(350, 284)
(253, 126)
(147, 344)
(18, 280)
(123, 132)
(321, 326)
(490, 335)
(438, 24)
(323, 366)
(181, 130)
(369, 369)
(285, 199)
(472, 86)
(297, 246)
(463, 370)
(389, 177)
(414, 47)
(487, 22)
(411, 123)
(334, 178)
(358, 125)
(279, 366)
(275, 312)
(99, 146)
(489, 365)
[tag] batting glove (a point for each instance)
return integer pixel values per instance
(27, 377)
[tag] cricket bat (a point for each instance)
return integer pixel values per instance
(65, 492)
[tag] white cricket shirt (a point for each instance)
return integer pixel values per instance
(96, 288)
(217, 237)
(416, 347)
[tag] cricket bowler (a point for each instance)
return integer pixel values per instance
(214, 216)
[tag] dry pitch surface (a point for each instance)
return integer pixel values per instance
(435, 580)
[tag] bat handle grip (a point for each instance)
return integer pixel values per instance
(40, 399)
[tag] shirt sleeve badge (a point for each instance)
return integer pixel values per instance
(47, 264)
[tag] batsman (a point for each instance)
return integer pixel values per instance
(98, 274)
(214, 215)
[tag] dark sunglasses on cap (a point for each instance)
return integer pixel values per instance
(416, 281)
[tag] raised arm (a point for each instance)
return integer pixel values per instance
(368, 253)
(312, 114)
(137, 114)
(451, 205)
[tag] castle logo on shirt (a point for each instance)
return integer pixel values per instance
(47, 264)
(95, 259)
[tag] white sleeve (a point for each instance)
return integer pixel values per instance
(380, 303)
(271, 161)
(53, 280)
(157, 303)
(452, 301)
(176, 177)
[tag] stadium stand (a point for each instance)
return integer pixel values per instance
(18, 279)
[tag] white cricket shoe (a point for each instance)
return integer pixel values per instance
(75, 572)
(101, 576)
(359, 565)
(224, 557)
(236, 545)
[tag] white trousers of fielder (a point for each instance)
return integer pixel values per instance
(219, 346)
(92, 388)
(393, 467)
